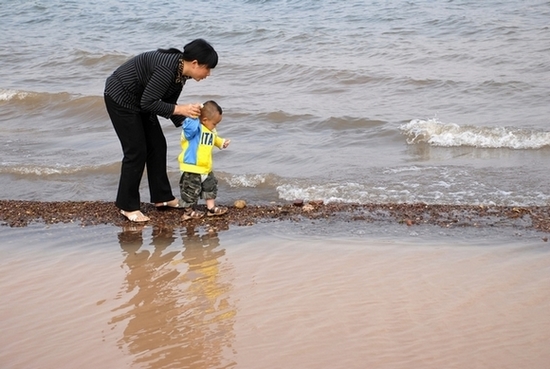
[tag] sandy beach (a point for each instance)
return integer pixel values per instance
(275, 294)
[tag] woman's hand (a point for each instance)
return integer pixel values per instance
(188, 110)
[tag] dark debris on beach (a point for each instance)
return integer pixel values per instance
(20, 213)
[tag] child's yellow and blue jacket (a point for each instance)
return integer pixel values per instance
(197, 143)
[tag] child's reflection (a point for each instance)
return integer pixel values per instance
(178, 312)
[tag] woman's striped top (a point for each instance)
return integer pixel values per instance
(147, 82)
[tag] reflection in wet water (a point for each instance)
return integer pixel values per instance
(179, 312)
(157, 298)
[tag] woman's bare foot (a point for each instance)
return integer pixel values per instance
(135, 216)
(169, 204)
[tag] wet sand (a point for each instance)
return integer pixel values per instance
(267, 296)
(282, 291)
(18, 213)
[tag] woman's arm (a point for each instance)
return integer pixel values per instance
(157, 86)
(181, 111)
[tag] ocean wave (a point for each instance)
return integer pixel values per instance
(328, 192)
(436, 133)
(22, 102)
(252, 180)
(8, 95)
(34, 170)
(346, 123)
(33, 98)
(101, 60)
(442, 192)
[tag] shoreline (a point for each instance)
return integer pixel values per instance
(20, 213)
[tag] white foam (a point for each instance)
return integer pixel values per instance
(335, 192)
(250, 180)
(436, 133)
(413, 168)
(7, 95)
(55, 169)
(36, 170)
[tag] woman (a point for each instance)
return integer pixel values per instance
(137, 92)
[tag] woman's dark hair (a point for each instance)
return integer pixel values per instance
(202, 52)
(198, 50)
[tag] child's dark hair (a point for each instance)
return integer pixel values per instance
(198, 50)
(211, 106)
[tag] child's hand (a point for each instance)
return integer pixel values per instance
(226, 143)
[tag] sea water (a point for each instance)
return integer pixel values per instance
(394, 101)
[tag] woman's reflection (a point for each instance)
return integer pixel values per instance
(178, 312)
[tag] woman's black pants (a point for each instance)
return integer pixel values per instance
(143, 145)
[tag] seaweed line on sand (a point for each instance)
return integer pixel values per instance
(20, 213)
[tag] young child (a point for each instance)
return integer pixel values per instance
(198, 138)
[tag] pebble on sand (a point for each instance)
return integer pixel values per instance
(239, 204)
(20, 213)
